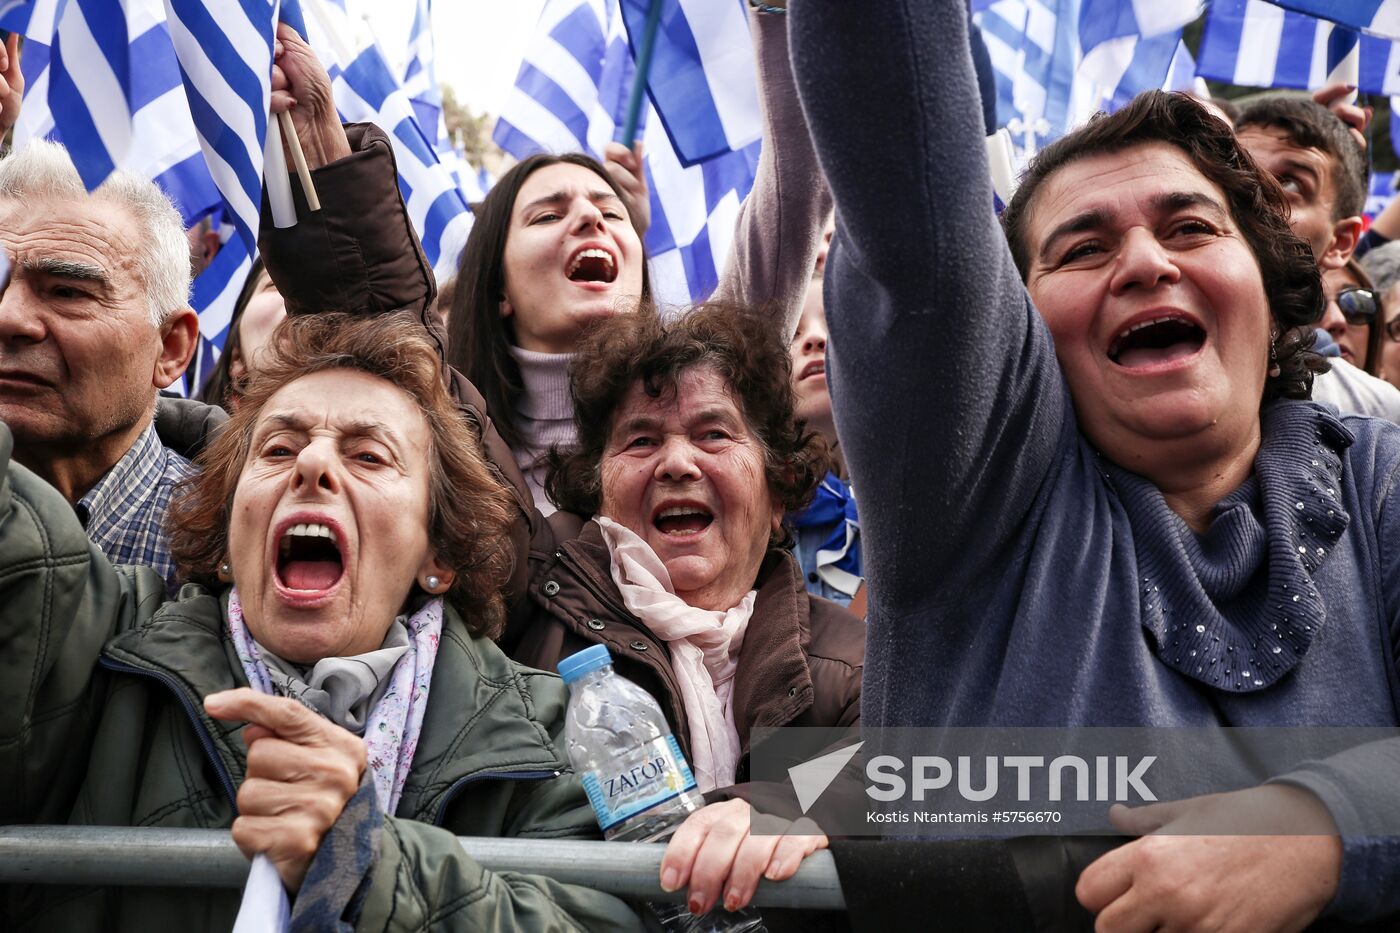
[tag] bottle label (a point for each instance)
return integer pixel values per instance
(638, 780)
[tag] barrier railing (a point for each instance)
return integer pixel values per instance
(207, 858)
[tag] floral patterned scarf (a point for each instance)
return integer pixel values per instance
(391, 734)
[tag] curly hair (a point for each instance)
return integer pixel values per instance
(1256, 202)
(742, 345)
(479, 339)
(468, 510)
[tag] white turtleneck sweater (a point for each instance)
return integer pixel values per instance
(544, 415)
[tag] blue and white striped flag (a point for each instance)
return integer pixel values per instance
(225, 55)
(367, 89)
(1057, 62)
(571, 95)
(1259, 44)
(702, 81)
(1182, 75)
(1104, 20)
(420, 83)
(88, 80)
(214, 295)
(1377, 17)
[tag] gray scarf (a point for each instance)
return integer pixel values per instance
(344, 690)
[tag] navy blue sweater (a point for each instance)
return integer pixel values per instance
(1016, 576)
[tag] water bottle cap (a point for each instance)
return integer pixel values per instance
(589, 659)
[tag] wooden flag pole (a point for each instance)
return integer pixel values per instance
(289, 133)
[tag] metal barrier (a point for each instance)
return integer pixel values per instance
(207, 858)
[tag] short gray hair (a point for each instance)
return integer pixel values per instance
(42, 169)
(1382, 264)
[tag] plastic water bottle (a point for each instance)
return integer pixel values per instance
(633, 771)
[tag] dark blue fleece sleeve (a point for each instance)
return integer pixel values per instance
(948, 399)
(1361, 788)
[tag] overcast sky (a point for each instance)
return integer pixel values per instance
(478, 47)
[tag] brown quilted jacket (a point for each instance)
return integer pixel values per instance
(800, 664)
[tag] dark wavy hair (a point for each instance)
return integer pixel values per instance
(469, 512)
(1256, 203)
(1312, 126)
(741, 344)
(478, 337)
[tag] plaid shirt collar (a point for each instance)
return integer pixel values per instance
(124, 512)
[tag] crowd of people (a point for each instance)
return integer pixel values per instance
(1124, 456)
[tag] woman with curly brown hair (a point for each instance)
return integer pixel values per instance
(348, 546)
(689, 455)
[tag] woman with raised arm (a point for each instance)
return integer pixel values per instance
(555, 249)
(1117, 506)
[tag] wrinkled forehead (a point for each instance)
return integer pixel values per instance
(697, 391)
(90, 230)
(344, 402)
(1124, 186)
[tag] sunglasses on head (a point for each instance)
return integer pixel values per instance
(1359, 305)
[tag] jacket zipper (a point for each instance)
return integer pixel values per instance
(199, 730)
(456, 788)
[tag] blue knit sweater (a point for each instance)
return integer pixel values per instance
(1016, 576)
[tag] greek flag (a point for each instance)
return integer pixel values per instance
(214, 295)
(425, 94)
(1058, 62)
(1260, 44)
(368, 89)
(88, 84)
(225, 56)
(571, 95)
(1378, 17)
(702, 81)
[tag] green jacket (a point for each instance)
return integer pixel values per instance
(101, 723)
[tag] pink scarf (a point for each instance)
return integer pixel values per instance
(704, 647)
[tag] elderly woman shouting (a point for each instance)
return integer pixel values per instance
(689, 454)
(362, 536)
(1118, 507)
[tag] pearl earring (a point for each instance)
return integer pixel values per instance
(433, 584)
(225, 570)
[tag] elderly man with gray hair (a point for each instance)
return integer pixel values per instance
(1382, 264)
(95, 322)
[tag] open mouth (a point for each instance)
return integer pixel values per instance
(814, 368)
(1154, 342)
(309, 558)
(680, 520)
(592, 265)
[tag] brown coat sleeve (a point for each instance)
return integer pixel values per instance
(359, 254)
